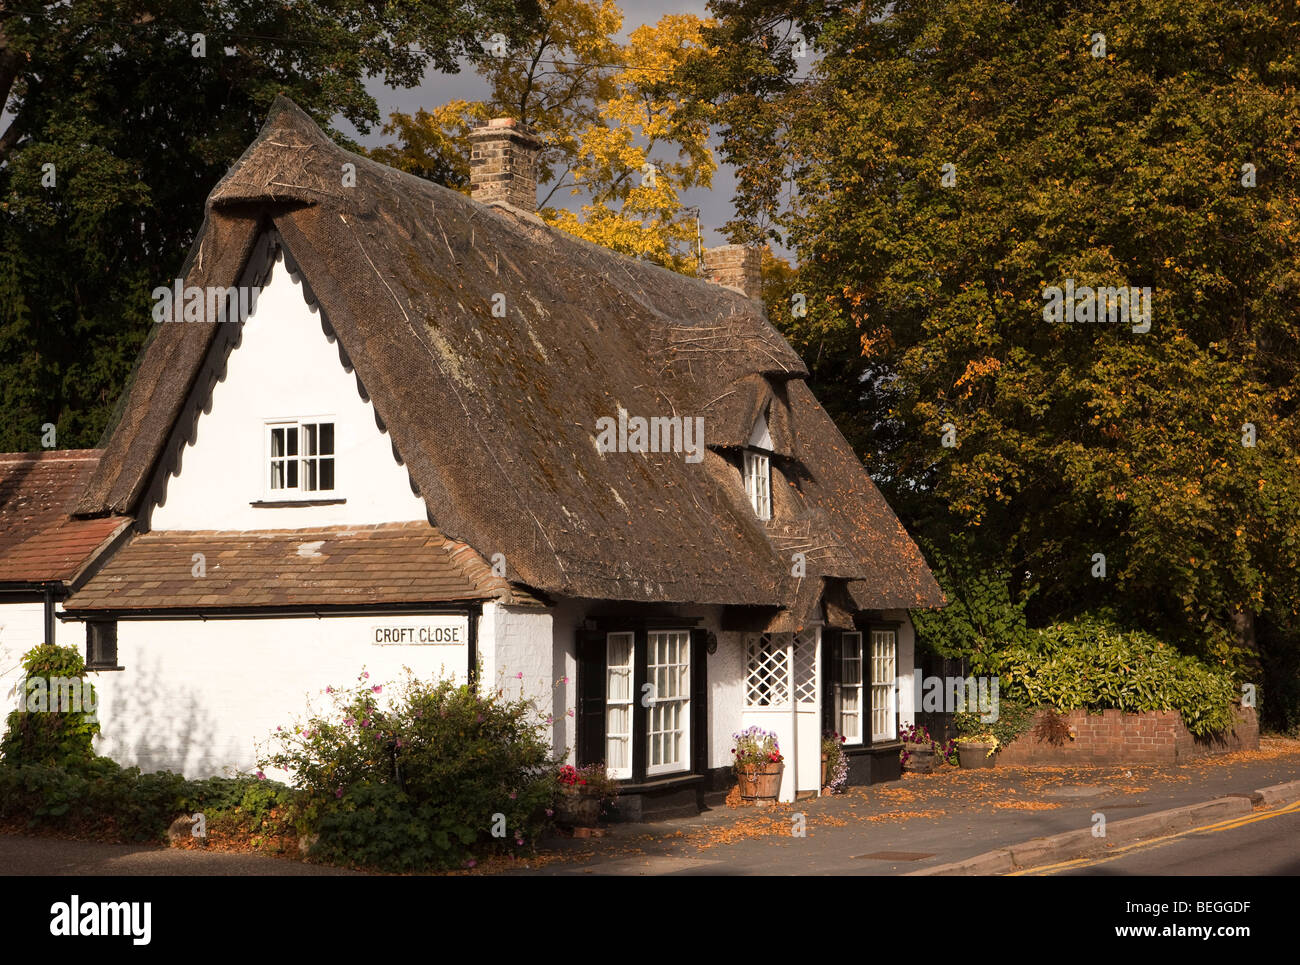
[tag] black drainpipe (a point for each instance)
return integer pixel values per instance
(49, 614)
(473, 647)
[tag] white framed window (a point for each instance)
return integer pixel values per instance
(300, 458)
(884, 661)
(620, 649)
(668, 666)
(850, 688)
(758, 482)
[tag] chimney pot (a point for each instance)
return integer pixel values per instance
(738, 267)
(503, 164)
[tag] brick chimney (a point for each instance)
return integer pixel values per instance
(503, 163)
(738, 267)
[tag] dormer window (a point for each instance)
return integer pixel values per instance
(758, 469)
(300, 457)
(758, 482)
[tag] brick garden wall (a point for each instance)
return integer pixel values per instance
(1113, 737)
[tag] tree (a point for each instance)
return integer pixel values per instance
(615, 132)
(954, 162)
(120, 117)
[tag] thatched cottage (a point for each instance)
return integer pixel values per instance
(449, 437)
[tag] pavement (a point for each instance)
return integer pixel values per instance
(919, 824)
(925, 823)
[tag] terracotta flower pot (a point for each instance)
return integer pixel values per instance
(760, 783)
(977, 755)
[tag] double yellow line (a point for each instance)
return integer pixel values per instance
(1225, 825)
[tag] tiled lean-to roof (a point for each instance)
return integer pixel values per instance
(391, 563)
(496, 418)
(39, 541)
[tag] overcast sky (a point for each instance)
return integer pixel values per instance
(714, 203)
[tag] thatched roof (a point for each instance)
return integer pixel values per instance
(496, 418)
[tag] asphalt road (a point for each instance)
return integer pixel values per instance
(1257, 845)
(61, 856)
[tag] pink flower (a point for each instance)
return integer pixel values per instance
(376, 688)
(550, 813)
(366, 674)
(513, 795)
(261, 776)
(339, 792)
(470, 863)
(520, 675)
(329, 690)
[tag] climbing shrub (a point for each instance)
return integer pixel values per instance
(56, 723)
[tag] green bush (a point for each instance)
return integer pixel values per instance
(243, 805)
(1092, 665)
(97, 797)
(1014, 718)
(420, 778)
(52, 733)
(103, 799)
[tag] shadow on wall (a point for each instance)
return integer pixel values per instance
(155, 725)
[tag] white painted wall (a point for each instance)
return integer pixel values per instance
(22, 626)
(282, 367)
(515, 644)
(196, 697)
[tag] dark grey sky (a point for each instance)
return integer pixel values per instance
(714, 203)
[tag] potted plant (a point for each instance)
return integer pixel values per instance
(978, 750)
(758, 765)
(918, 750)
(583, 790)
(835, 764)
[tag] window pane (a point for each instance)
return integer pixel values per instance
(291, 468)
(309, 440)
(277, 442)
(327, 438)
(327, 474)
(291, 438)
(309, 475)
(667, 719)
(618, 706)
